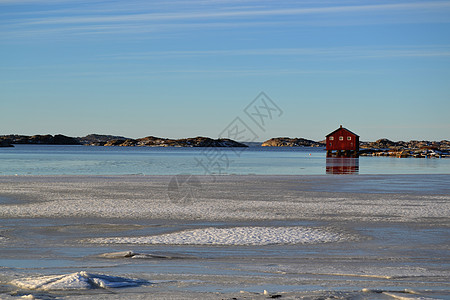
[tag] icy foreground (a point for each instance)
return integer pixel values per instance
(236, 236)
(76, 281)
(296, 237)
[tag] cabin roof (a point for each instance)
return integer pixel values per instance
(340, 128)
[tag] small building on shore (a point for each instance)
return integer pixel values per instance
(342, 142)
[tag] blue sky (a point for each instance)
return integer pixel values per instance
(187, 68)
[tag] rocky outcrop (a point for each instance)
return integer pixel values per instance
(382, 144)
(121, 142)
(291, 142)
(129, 143)
(114, 143)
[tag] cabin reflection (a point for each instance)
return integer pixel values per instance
(342, 165)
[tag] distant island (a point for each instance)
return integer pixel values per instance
(110, 140)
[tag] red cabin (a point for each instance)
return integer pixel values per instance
(342, 142)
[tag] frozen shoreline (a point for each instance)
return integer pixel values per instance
(294, 236)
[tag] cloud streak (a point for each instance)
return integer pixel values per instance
(133, 19)
(249, 13)
(330, 53)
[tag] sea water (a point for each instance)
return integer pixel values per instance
(95, 160)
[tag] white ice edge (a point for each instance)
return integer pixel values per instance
(234, 236)
(134, 255)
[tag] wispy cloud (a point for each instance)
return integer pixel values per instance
(134, 17)
(185, 73)
(322, 53)
(240, 13)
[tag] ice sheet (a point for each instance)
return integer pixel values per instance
(231, 198)
(401, 237)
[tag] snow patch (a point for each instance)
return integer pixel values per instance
(235, 236)
(132, 254)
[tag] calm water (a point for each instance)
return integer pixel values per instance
(91, 160)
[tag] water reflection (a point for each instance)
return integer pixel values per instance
(342, 165)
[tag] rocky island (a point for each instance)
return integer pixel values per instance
(413, 148)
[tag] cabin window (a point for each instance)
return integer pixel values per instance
(331, 138)
(349, 138)
(341, 138)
